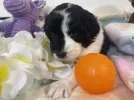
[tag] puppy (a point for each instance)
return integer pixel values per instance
(73, 32)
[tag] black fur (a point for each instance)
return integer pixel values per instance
(106, 44)
(53, 31)
(83, 27)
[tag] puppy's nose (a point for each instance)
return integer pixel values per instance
(61, 54)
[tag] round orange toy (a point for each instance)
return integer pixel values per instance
(95, 73)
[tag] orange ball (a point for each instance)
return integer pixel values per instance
(95, 73)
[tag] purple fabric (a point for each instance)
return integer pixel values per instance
(4, 26)
(17, 7)
(40, 3)
(25, 13)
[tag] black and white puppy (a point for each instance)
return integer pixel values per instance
(73, 32)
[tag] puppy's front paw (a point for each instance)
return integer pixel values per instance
(59, 89)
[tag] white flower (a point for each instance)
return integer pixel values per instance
(57, 69)
(41, 71)
(14, 81)
(49, 68)
(27, 51)
(3, 44)
(17, 59)
(26, 40)
(23, 59)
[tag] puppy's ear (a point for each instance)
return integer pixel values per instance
(53, 23)
(87, 28)
(132, 2)
(90, 24)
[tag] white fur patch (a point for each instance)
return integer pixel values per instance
(72, 48)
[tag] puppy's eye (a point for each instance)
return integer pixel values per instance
(72, 34)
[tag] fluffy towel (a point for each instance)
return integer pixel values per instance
(122, 35)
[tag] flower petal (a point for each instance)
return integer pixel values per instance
(4, 56)
(47, 51)
(15, 64)
(29, 82)
(39, 36)
(45, 55)
(17, 80)
(4, 71)
(63, 72)
(40, 71)
(36, 49)
(56, 63)
(22, 37)
(3, 44)
(2, 47)
(19, 52)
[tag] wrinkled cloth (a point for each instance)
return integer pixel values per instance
(122, 35)
(119, 92)
(122, 52)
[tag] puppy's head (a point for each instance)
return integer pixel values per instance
(70, 29)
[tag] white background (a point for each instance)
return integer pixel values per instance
(88, 4)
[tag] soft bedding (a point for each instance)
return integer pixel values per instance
(119, 92)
